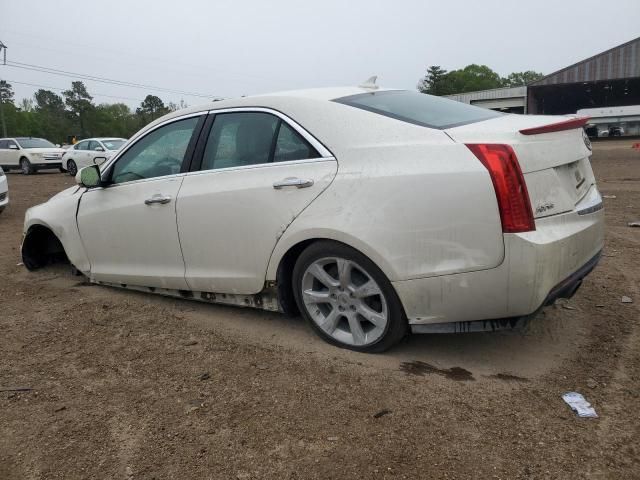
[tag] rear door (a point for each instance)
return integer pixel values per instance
(258, 171)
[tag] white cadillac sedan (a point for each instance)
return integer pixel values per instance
(372, 212)
(92, 151)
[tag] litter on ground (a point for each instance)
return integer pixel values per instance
(579, 405)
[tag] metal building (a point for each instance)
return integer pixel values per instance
(508, 99)
(608, 79)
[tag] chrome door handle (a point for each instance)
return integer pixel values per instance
(293, 182)
(157, 198)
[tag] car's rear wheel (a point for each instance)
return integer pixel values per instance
(72, 168)
(347, 299)
(26, 167)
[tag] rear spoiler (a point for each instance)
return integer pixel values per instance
(557, 127)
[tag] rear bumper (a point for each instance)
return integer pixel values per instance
(565, 289)
(539, 267)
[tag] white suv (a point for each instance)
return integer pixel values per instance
(29, 154)
(92, 151)
(4, 191)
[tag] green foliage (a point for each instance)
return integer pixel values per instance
(517, 79)
(56, 118)
(433, 81)
(79, 102)
(471, 78)
(6, 92)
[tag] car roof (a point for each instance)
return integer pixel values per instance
(336, 125)
(312, 94)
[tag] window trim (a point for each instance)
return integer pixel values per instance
(196, 164)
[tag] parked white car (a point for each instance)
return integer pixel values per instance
(373, 212)
(4, 191)
(92, 151)
(29, 154)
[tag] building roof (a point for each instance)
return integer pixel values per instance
(616, 63)
(492, 94)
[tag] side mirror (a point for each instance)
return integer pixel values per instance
(99, 160)
(89, 177)
(98, 149)
(13, 146)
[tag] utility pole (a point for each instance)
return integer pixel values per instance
(3, 49)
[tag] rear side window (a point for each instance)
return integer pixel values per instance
(419, 108)
(291, 146)
(240, 139)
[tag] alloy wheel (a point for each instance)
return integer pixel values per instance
(345, 301)
(72, 168)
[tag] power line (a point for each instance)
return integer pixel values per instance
(65, 73)
(63, 89)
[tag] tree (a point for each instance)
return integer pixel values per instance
(6, 92)
(517, 79)
(468, 79)
(79, 102)
(26, 105)
(47, 101)
(52, 116)
(432, 81)
(471, 79)
(151, 108)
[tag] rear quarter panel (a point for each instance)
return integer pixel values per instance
(416, 210)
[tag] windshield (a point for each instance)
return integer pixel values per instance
(113, 144)
(419, 108)
(35, 143)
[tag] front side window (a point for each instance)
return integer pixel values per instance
(81, 146)
(93, 145)
(158, 153)
(419, 108)
(251, 138)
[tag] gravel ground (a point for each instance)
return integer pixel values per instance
(134, 386)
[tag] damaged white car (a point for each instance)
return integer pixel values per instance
(372, 212)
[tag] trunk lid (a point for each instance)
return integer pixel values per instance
(555, 165)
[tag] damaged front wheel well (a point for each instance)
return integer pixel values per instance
(41, 247)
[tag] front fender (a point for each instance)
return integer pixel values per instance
(59, 215)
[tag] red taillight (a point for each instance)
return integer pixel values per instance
(509, 184)
(557, 127)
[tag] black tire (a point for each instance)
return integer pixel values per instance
(396, 328)
(26, 167)
(72, 168)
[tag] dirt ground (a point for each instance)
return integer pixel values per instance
(134, 386)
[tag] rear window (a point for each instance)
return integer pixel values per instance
(419, 108)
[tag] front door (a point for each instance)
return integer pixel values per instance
(257, 174)
(128, 228)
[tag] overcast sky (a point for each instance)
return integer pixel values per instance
(236, 47)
